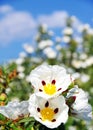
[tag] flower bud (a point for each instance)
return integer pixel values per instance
(70, 100)
(3, 97)
(2, 103)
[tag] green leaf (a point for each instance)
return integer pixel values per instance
(2, 117)
(28, 119)
(71, 85)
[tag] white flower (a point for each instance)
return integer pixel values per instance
(66, 39)
(36, 59)
(14, 109)
(50, 113)
(28, 48)
(50, 81)
(8, 90)
(77, 63)
(76, 75)
(50, 33)
(80, 108)
(19, 61)
(72, 128)
(78, 39)
(21, 75)
(22, 54)
(58, 47)
(50, 52)
(84, 78)
(68, 31)
(89, 61)
(83, 56)
(45, 43)
(44, 27)
(83, 27)
(20, 68)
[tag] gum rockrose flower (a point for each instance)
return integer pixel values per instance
(79, 108)
(51, 112)
(50, 81)
(14, 110)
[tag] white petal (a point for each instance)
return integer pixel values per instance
(84, 113)
(14, 109)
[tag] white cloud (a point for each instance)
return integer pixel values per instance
(15, 25)
(5, 9)
(18, 25)
(56, 19)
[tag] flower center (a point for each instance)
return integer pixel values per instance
(50, 89)
(47, 114)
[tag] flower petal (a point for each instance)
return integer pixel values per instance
(14, 109)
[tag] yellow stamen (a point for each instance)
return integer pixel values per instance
(47, 114)
(49, 89)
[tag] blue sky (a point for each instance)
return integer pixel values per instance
(19, 18)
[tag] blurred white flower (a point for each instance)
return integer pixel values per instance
(83, 56)
(76, 75)
(75, 56)
(83, 64)
(21, 75)
(20, 68)
(78, 39)
(49, 81)
(44, 27)
(66, 39)
(84, 78)
(15, 109)
(7, 90)
(50, 113)
(36, 59)
(83, 27)
(50, 33)
(89, 61)
(19, 61)
(76, 63)
(72, 128)
(45, 43)
(22, 54)
(67, 31)
(50, 52)
(58, 47)
(70, 70)
(28, 48)
(80, 108)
